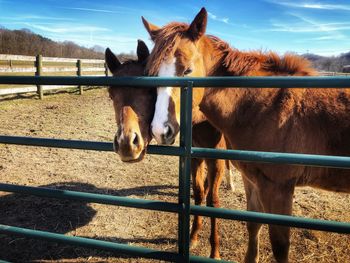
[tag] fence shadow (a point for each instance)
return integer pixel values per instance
(61, 216)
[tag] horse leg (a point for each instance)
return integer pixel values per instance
(216, 170)
(198, 179)
(229, 176)
(229, 173)
(277, 198)
(206, 188)
(253, 204)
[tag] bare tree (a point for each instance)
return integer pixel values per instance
(25, 42)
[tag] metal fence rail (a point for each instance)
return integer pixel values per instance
(261, 82)
(185, 153)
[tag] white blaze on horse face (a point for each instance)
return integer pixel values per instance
(167, 69)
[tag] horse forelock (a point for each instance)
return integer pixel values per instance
(166, 41)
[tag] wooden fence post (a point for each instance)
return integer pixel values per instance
(39, 64)
(106, 70)
(79, 73)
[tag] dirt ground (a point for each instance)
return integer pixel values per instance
(91, 117)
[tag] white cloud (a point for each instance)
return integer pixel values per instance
(116, 43)
(220, 19)
(328, 30)
(302, 28)
(311, 5)
(313, 34)
(35, 17)
(67, 28)
(321, 38)
(96, 10)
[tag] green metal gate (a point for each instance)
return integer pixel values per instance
(185, 152)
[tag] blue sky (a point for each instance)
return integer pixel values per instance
(315, 26)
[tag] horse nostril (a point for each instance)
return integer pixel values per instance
(168, 132)
(136, 140)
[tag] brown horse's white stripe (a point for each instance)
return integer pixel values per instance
(160, 119)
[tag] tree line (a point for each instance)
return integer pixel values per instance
(25, 42)
(330, 64)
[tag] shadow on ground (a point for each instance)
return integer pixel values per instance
(60, 216)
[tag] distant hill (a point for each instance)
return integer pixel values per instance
(26, 42)
(333, 63)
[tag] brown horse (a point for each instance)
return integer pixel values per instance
(164, 129)
(134, 107)
(299, 120)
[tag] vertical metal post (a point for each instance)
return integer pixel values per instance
(185, 171)
(39, 64)
(79, 73)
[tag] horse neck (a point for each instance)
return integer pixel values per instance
(220, 104)
(212, 62)
(212, 56)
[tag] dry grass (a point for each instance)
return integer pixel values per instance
(91, 117)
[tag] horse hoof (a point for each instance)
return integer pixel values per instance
(215, 257)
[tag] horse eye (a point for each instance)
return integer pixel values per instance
(188, 71)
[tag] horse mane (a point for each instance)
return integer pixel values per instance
(239, 63)
(167, 39)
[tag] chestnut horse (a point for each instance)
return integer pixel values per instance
(134, 107)
(315, 121)
(164, 129)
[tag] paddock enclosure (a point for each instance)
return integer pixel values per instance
(90, 117)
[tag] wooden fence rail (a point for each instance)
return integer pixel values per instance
(47, 66)
(332, 73)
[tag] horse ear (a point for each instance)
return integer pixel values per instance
(151, 29)
(142, 51)
(198, 25)
(112, 61)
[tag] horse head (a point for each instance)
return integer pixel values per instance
(176, 53)
(134, 107)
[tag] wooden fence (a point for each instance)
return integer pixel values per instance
(332, 73)
(47, 66)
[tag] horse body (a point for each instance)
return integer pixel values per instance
(314, 121)
(282, 120)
